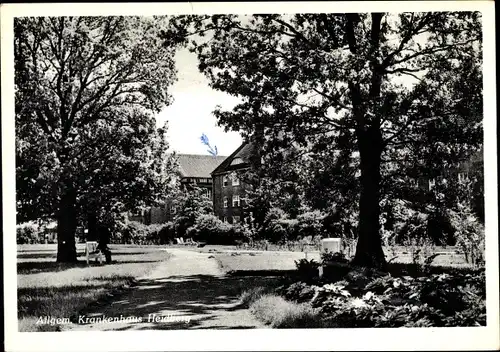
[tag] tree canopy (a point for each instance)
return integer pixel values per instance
(392, 95)
(87, 89)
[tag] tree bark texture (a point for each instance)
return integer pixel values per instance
(66, 226)
(369, 251)
(92, 234)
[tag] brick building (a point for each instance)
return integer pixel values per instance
(193, 170)
(228, 189)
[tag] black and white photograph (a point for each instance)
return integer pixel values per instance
(297, 171)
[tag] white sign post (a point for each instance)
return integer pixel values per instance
(332, 245)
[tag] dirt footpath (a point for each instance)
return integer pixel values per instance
(188, 291)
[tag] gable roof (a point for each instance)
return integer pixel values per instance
(244, 151)
(192, 165)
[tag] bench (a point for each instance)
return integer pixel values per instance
(92, 252)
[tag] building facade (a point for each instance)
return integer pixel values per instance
(228, 189)
(194, 170)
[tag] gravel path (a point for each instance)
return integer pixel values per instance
(188, 291)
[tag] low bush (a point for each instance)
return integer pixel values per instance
(211, 230)
(310, 224)
(275, 227)
(385, 301)
(278, 228)
(28, 233)
(281, 314)
(299, 292)
(133, 232)
(469, 233)
(248, 297)
(166, 233)
(332, 257)
(307, 269)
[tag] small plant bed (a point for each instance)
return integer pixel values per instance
(347, 297)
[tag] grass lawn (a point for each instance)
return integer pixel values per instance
(46, 288)
(260, 261)
(233, 260)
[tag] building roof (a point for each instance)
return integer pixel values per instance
(192, 165)
(244, 151)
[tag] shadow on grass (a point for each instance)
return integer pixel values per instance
(272, 273)
(120, 252)
(53, 301)
(47, 266)
(42, 255)
(53, 266)
(198, 297)
(53, 254)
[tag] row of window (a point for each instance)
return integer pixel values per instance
(431, 183)
(197, 180)
(235, 201)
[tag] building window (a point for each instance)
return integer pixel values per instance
(236, 201)
(224, 181)
(236, 180)
(237, 161)
(207, 193)
(225, 202)
(226, 219)
(432, 183)
(236, 219)
(462, 177)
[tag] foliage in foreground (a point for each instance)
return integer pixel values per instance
(440, 300)
(29, 233)
(133, 232)
(281, 314)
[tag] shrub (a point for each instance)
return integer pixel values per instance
(469, 233)
(281, 314)
(412, 227)
(278, 228)
(28, 233)
(166, 233)
(133, 232)
(190, 204)
(331, 257)
(153, 234)
(307, 269)
(310, 224)
(273, 228)
(386, 301)
(211, 230)
(299, 292)
(250, 296)
(401, 224)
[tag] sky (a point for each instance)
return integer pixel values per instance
(190, 114)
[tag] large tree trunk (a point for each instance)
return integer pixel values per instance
(369, 251)
(92, 234)
(66, 226)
